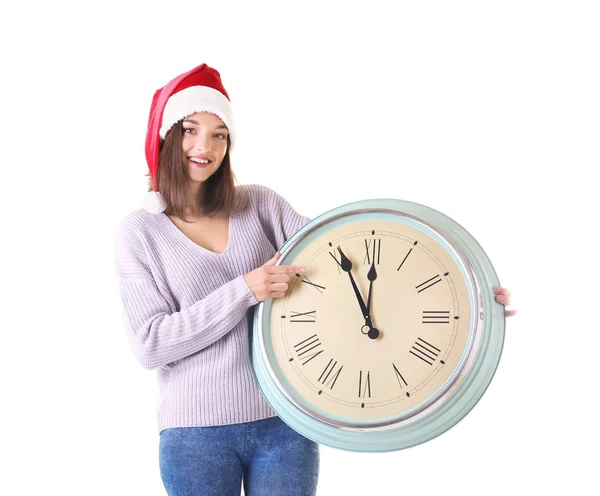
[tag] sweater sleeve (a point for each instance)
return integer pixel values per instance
(158, 334)
(279, 218)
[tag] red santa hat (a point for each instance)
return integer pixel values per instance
(199, 90)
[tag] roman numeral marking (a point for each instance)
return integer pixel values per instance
(404, 260)
(316, 286)
(308, 316)
(338, 263)
(304, 348)
(401, 379)
(425, 351)
(372, 248)
(326, 376)
(435, 280)
(436, 317)
(364, 390)
(414, 244)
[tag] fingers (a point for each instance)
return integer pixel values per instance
(275, 290)
(503, 297)
(280, 277)
(282, 269)
(278, 287)
(499, 290)
(278, 283)
(286, 269)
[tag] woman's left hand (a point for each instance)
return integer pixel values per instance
(503, 297)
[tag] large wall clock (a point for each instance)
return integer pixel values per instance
(389, 337)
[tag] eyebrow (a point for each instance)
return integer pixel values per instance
(197, 123)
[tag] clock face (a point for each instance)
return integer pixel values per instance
(352, 359)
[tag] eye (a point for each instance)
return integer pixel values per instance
(221, 136)
(188, 130)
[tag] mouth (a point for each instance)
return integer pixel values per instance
(200, 162)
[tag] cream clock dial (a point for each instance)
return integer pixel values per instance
(389, 337)
(330, 349)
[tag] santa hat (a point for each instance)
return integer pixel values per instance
(199, 90)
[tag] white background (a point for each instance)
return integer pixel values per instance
(486, 111)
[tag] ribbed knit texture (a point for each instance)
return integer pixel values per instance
(185, 307)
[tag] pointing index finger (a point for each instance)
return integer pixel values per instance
(287, 269)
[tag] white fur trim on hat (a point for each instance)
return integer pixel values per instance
(154, 203)
(197, 99)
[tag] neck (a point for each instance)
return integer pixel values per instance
(193, 196)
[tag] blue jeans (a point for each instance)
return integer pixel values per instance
(269, 457)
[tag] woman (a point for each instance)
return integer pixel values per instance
(190, 265)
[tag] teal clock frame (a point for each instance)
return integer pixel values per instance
(464, 388)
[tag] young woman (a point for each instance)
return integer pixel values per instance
(190, 265)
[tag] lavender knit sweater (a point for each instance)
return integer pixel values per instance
(185, 307)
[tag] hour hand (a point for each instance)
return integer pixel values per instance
(371, 276)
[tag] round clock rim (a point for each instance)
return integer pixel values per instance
(463, 394)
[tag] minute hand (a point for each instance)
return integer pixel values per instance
(346, 266)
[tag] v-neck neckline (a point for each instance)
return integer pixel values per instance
(196, 246)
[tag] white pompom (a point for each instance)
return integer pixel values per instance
(154, 203)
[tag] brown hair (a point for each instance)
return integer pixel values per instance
(216, 194)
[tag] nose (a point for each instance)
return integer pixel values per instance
(202, 142)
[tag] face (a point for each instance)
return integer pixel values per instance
(203, 145)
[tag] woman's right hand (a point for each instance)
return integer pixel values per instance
(270, 280)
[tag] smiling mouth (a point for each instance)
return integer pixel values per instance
(200, 162)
